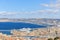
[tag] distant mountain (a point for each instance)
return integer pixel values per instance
(33, 20)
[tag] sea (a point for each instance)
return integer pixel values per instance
(16, 25)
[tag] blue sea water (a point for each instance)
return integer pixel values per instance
(17, 25)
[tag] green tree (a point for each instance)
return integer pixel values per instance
(56, 38)
(50, 39)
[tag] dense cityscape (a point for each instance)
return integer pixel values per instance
(51, 31)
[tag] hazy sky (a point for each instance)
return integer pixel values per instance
(29, 8)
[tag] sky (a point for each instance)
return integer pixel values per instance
(30, 9)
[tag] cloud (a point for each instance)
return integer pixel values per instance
(52, 7)
(46, 5)
(52, 4)
(7, 13)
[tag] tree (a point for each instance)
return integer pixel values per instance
(50, 39)
(56, 38)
